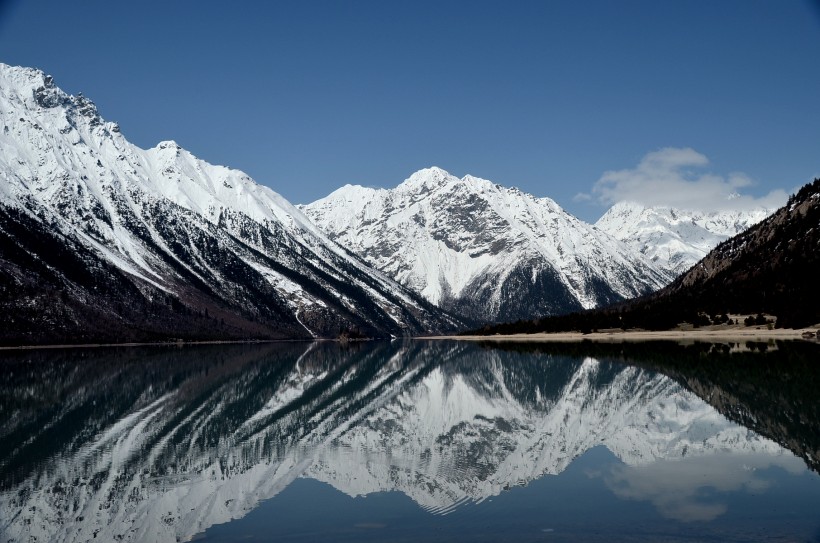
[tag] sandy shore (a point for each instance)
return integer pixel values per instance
(701, 334)
(726, 334)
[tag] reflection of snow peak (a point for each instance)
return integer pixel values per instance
(451, 439)
(446, 426)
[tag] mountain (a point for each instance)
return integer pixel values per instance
(770, 268)
(675, 239)
(103, 241)
(198, 436)
(483, 251)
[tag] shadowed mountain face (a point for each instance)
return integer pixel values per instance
(772, 267)
(159, 444)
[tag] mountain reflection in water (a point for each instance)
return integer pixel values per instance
(159, 444)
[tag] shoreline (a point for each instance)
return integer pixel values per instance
(738, 334)
(153, 344)
(731, 334)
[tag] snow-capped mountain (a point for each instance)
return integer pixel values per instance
(481, 250)
(102, 240)
(194, 439)
(675, 239)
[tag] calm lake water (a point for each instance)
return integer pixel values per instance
(412, 441)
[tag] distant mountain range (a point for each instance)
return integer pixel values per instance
(675, 239)
(491, 253)
(772, 267)
(103, 241)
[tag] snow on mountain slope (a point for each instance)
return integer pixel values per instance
(675, 239)
(193, 442)
(173, 227)
(481, 250)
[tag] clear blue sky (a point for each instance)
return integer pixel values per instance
(547, 96)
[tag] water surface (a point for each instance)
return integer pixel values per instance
(411, 441)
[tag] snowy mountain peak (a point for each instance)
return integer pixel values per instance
(169, 145)
(429, 177)
(675, 239)
(23, 82)
(482, 250)
(34, 90)
(625, 208)
(352, 193)
(166, 171)
(435, 178)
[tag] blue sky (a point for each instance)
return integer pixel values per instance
(548, 96)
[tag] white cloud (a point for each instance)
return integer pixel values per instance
(670, 177)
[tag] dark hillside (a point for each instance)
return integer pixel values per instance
(773, 267)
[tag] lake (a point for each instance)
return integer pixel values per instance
(412, 441)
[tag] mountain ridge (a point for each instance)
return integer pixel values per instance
(172, 247)
(101, 241)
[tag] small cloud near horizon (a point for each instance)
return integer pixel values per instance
(669, 177)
